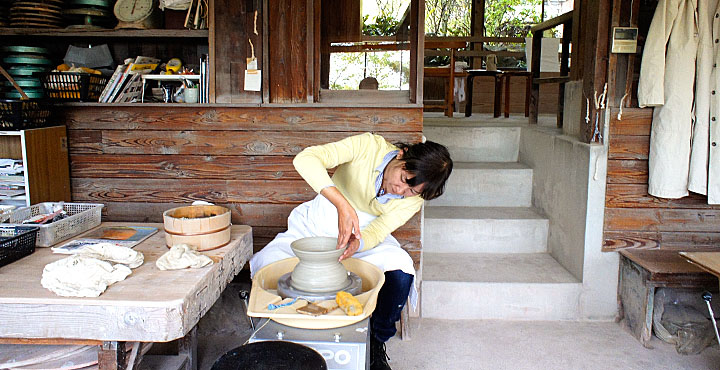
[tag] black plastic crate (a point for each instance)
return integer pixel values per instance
(73, 86)
(24, 114)
(16, 242)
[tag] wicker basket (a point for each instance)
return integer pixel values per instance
(16, 242)
(83, 217)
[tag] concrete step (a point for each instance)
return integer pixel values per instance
(487, 184)
(476, 144)
(484, 230)
(530, 286)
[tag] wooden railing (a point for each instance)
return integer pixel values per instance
(564, 20)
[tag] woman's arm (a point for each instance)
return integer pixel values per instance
(348, 223)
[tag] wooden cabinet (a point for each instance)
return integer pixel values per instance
(44, 155)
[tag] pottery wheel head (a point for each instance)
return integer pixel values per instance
(317, 246)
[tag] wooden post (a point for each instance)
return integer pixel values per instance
(535, 69)
(564, 70)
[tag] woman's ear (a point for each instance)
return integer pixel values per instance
(400, 153)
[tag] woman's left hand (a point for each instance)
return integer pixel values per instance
(352, 246)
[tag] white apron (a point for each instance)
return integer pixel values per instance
(319, 217)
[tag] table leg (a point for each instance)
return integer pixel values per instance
(528, 90)
(507, 95)
(112, 356)
(468, 95)
(498, 91)
(188, 347)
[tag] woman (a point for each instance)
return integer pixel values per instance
(376, 188)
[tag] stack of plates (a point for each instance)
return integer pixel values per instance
(21, 63)
(89, 14)
(36, 13)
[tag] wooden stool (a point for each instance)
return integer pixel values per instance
(641, 271)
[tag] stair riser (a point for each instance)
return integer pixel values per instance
(485, 236)
(500, 301)
(477, 144)
(487, 188)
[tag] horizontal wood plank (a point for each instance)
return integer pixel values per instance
(183, 166)
(634, 122)
(629, 147)
(661, 240)
(208, 142)
(636, 196)
(178, 117)
(622, 171)
(662, 219)
(189, 190)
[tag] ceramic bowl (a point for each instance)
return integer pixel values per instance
(319, 269)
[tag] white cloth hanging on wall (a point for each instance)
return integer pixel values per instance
(678, 77)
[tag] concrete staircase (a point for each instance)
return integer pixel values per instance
(485, 253)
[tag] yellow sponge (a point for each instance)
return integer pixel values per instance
(349, 304)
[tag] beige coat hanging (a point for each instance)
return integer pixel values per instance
(678, 77)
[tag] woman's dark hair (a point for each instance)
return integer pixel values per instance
(430, 163)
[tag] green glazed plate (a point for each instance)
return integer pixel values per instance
(24, 49)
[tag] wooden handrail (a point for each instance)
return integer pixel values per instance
(552, 23)
(436, 44)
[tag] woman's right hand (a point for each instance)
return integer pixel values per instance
(348, 223)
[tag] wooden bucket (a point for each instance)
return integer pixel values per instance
(204, 226)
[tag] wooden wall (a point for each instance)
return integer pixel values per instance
(635, 219)
(142, 160)
(235, 26)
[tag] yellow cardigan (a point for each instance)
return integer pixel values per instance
(356, 159)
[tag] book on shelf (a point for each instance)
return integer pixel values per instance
(122, 86)
(112, 82)
(10, 193)
(124, 236)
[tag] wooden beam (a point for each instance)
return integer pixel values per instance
(552, 23)
(417, 47)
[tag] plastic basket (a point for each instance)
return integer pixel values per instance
(73, 86)
(16, 242)
(83, 217)
(24, 114)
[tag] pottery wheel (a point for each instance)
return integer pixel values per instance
(286, 290)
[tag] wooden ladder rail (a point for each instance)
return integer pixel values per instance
(537, 31)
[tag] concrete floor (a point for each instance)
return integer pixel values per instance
(475, 344)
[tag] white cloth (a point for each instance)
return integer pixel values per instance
(549, 54)
(108, 252)
(81, 276)
(680, 54)
(182, 256)
(318, 217)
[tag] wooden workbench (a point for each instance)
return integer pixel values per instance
(150, 305)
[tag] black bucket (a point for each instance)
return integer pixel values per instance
(271, 355)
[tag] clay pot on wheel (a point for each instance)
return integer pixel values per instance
(319, 269)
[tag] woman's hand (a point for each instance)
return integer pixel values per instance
(353, 246)
(348, 223)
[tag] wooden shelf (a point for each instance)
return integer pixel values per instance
(111, 33)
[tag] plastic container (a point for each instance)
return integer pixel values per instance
(16, 242)
(24, 114)
(72, 86)
(83, 217)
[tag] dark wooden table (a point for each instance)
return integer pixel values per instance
(471, 74)
(506, 75)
